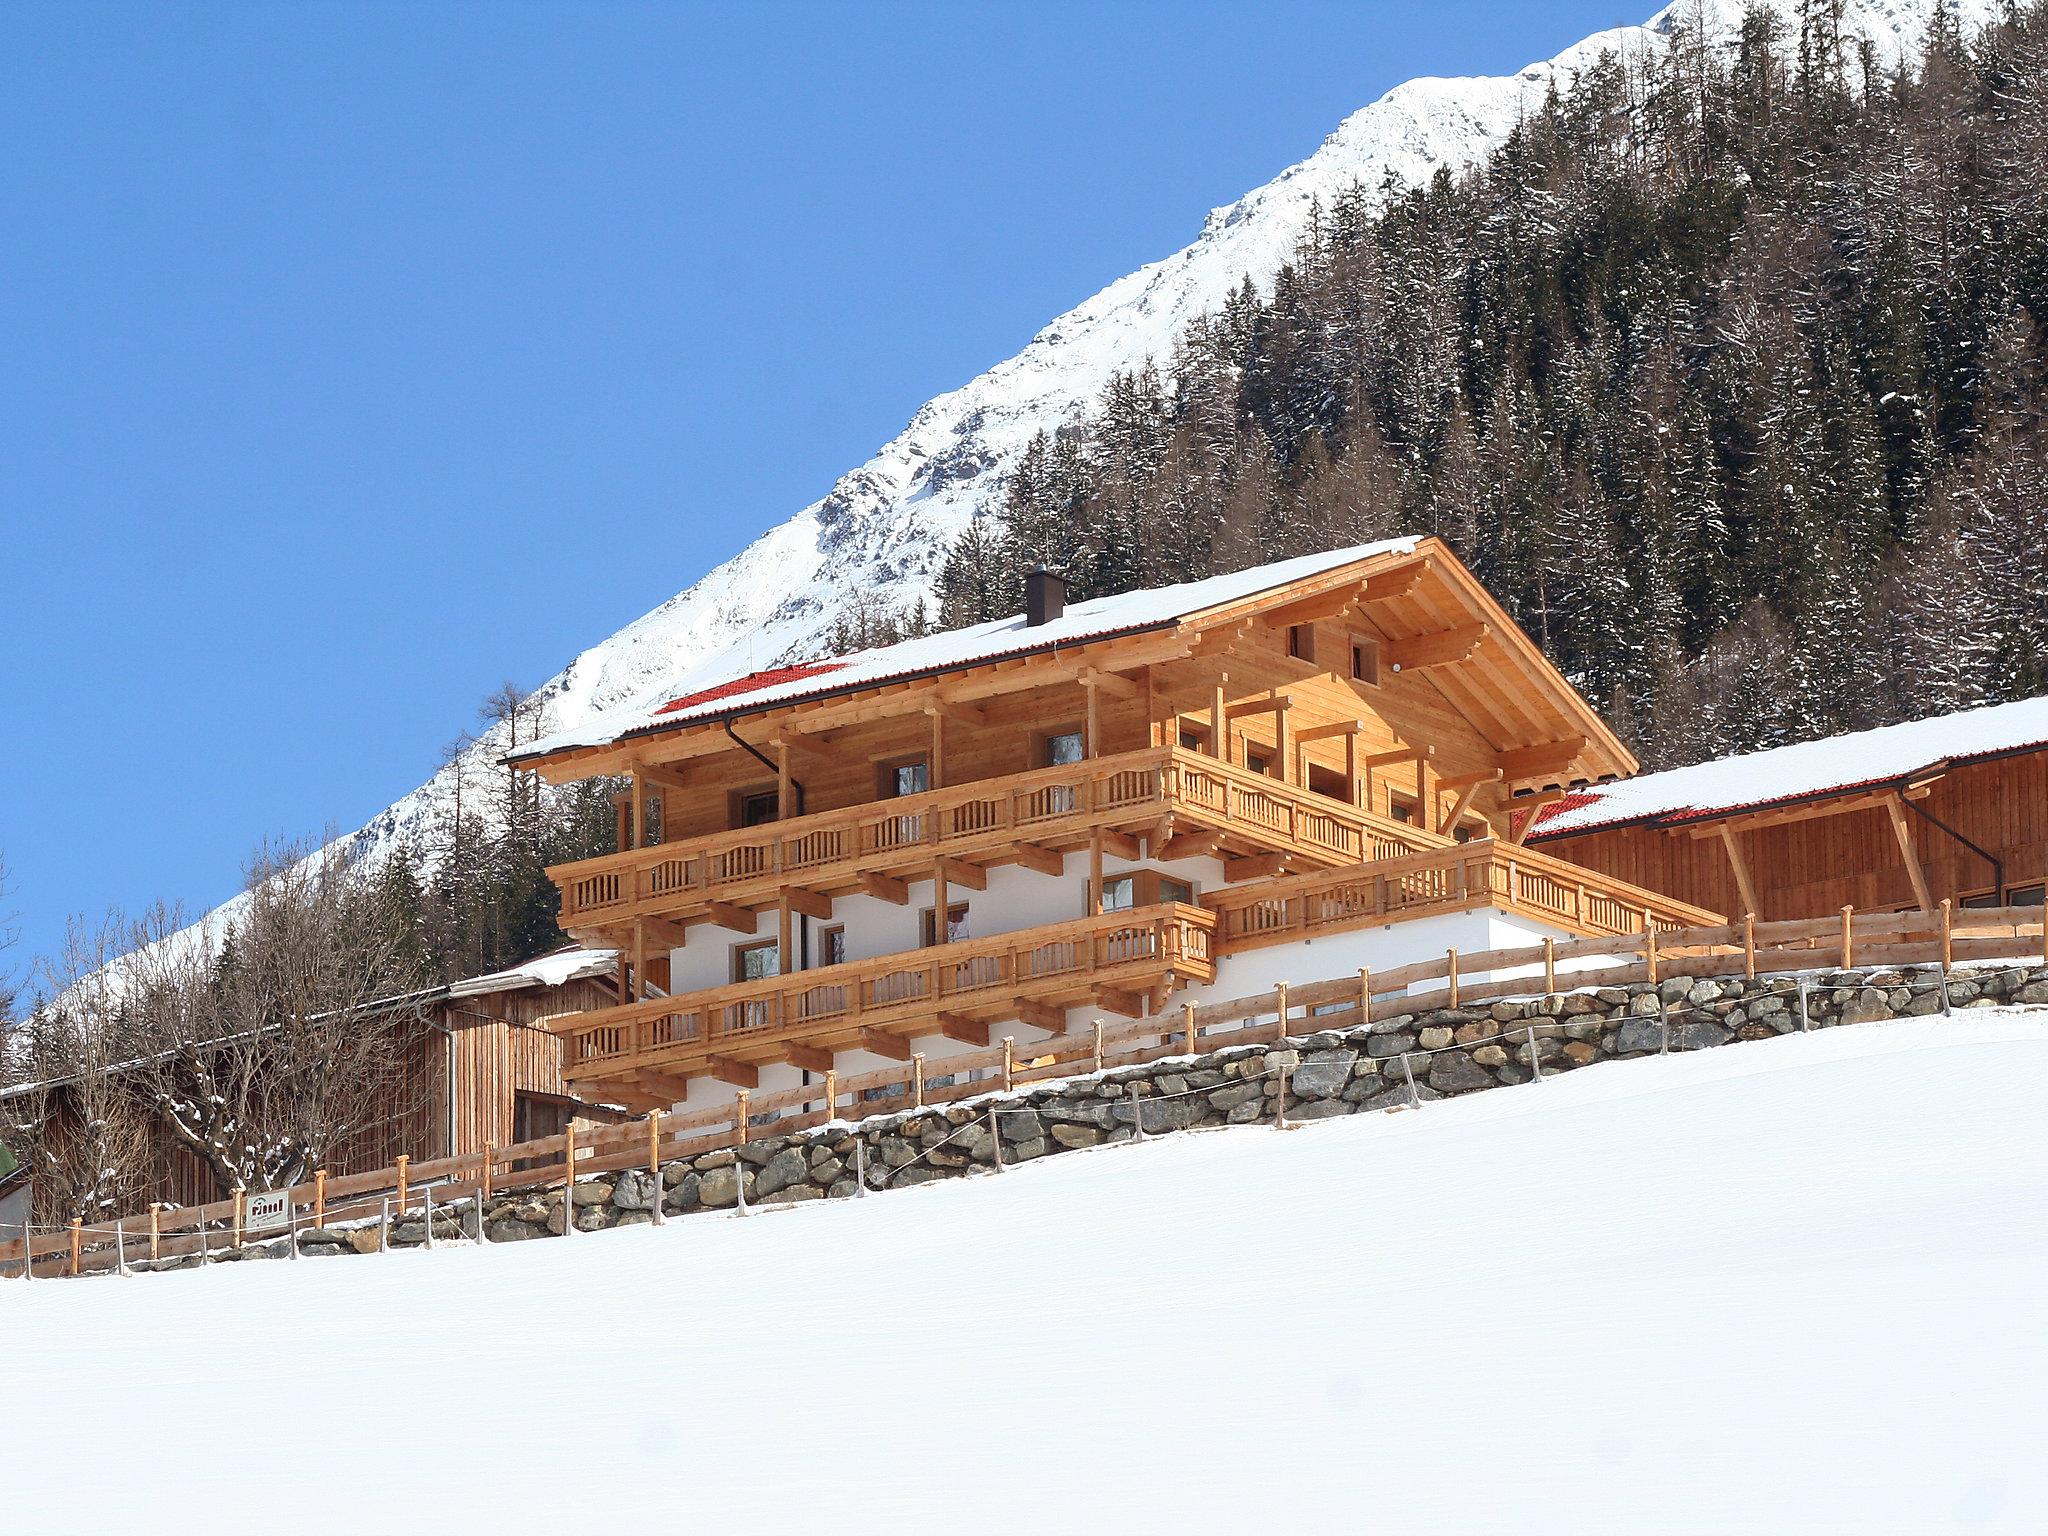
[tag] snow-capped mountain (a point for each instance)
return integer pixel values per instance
(885, 526)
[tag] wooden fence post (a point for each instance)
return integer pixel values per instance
(1948, 939)
(490, 1168)
(239, 1197)
(1009, 1062)
(1451, 974)
(831, 1094)
(1187, 1015)
(153, 1220)
(1364, 995)
(745, 1115)
(1848, 937)
(654, 1143)
(404, 1161)
(319, 1197)
(76, 1224)
(1549, 966)
(1280, 1010)
(917, 1075)
(1098, 1045)
(1649, 951)
(1749, 945)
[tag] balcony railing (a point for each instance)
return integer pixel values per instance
(1481, 874)
(902, 993)
(832, 849)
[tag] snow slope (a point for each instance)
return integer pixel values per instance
(885, 525)
(1792, 1285)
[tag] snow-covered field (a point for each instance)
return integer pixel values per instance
(1799, 1285)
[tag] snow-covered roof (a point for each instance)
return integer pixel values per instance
(571, 963)
(1809, 770)
(1097, 619)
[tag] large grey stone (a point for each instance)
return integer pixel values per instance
(634, 1190)
(785, 1168)
(718, 1188)
(1077, 1135)
(1227, 1099)
(1455, 1072)
(1322, 1074)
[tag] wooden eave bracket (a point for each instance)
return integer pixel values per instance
(1439, 648)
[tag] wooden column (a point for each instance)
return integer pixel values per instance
(639, 960)
(783, 807)
(1095, 872)
(1092, 742)
(1895, 807)
(939, 923)
(1280, 745)
(639, 827)
(1351, 786)
(784, 953)
(1736, 862)
(937, 765)
(1219, 723)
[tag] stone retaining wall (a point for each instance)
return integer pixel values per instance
(1440, 1054)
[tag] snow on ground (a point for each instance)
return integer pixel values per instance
(1794, 1285)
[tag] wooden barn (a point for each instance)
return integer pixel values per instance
(483, 1068)
(1949, 808)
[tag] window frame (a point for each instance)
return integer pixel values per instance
(928, 930)
(738, 799)
(1365, 645)
(1301, 642)
(747, 947)
(886, 769)
(827, 936)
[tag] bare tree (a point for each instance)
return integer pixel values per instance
(264, 1062)
(70, 1113)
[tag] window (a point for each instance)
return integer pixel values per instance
(757, 961)
(1258, 759)
(956, 925)
(2025, 895)
(904, 776)
(1464, 832)
(1062, 749)
(832, 945)
(755, 807)
(1401, 810)
(1143, 888)
(1194, 738)
(1365, 660)
(1329, 783)
(1301, 641)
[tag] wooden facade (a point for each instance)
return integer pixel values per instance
(1895, 847)
(1380, 708)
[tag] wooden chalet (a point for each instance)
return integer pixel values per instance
(1024, 825)
(1950, 808)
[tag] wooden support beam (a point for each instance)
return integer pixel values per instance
(809, 1058)
(960, 872)
(1272, 703)
(1744, 886)
(666, 932)
(1374, 760)
(958, 1027)
(1095, 872)
(1459, 781)
(1546, 759)
(1439, 648)
(1309, 733)
(1116, 1000)
(1398, 582)
(785, 799)
(785, 936)
(1091, 737)
(1458, 806)
(662, 778)
(741, 1074)
(1219, 721)
(969, 715)
(726, 915)
(1903, 831)
(1811, 810)
(808, 903)
(1040, 1016)
(1046, 861)
(1190, 845)
(886, 888)
(1121, 845)
(1261, 866)
(1113, 684)
(883, 1043)
(1530, 804)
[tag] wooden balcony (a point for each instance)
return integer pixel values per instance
(1481, 874)
(1122, 961)
(992, 821)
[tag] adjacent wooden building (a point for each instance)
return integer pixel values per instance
(1077, 811)
(1950, 808)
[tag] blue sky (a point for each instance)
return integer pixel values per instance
(358, 358)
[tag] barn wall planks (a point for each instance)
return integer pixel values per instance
(1814, 867)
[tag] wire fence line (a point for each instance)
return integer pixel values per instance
(1955, 944)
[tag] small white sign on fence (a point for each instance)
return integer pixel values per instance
(262, 1212)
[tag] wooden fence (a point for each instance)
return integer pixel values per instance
(1943, 937)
